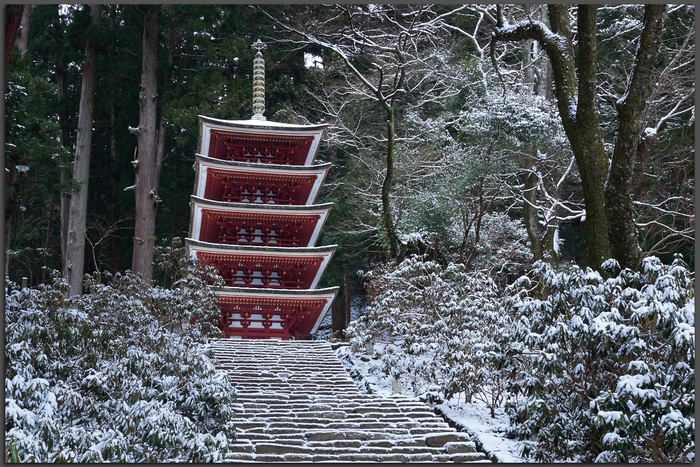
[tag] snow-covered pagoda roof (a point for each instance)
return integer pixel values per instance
(215, 134)
(315, 303)
(260, 125)
(305, 221)
(313, 260)
(211, 172)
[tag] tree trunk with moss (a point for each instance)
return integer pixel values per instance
(624, 239)
(607, 185)
(576, 93)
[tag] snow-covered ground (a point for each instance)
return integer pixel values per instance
(488, 433)
(473, 418)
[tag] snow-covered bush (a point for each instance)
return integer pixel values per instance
(115, 375)
(591, 367)
(503, 248)
(187, 305)
(611, 371)
(444, 322)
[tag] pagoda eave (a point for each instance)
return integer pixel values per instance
(244, 249)
(268, 267)
(314, 168)
(257, 224)
(264, 208)
(258, 125)
(307, 137)
(245, 311)
(226, 181)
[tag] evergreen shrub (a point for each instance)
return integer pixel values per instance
(445, 323)
(592, 367)
(611, 374)
(116, 375)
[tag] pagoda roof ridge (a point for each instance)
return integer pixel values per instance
(288, 293)
(263, 167)
(227, 247)
(260, 206)
(263, 124)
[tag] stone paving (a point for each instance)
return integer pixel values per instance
(297, 403)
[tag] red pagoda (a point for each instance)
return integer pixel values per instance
(253, 219)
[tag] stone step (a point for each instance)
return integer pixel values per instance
(285, 448)
(337, 457)
(295, 402)
(254, 425)
(278, 446)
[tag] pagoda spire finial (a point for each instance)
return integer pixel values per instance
(258, 81)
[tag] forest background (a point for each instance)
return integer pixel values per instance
(443, 142)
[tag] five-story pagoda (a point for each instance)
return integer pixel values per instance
(254, 220)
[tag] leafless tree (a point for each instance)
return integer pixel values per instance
(606, 187)
(99, 231)
(391, 54)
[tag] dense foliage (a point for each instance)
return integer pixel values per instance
(115, 375)
(591, 368)
(616, 358)
(445, 322)
(473, 143)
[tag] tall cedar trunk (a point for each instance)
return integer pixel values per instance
(114, 174)
(61, 91)
(145, 166)
(75, 245)
(114, 181)
(386, 186)
(630, 116)
(23, 35)
(13, 19)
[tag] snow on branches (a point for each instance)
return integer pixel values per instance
(116, 375)
(444, 321)
(610, 367)
(590, 367)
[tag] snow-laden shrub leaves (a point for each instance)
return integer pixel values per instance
(115, 375)
(446, 323)
(613, 363)
(592, 366)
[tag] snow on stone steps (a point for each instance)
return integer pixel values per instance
(297, 403)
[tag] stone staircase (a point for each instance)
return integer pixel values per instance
(297, 403)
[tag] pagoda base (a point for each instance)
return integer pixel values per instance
(250, 313)
(254, 326)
